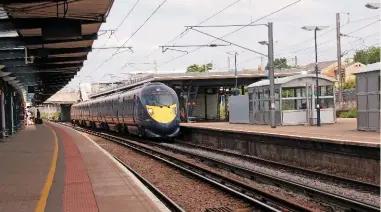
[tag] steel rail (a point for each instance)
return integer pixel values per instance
(334, 199)
(344, 180)
(172, 206)
(256, 197)
(168, 202)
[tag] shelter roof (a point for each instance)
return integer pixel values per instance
(283, 80)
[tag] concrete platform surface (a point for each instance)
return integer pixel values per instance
(344, 131)
(54, 168)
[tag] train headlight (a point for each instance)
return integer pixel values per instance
(174, 110)
(150, 111)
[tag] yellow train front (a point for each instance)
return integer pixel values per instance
(156, 111)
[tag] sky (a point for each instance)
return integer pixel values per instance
(169, 22)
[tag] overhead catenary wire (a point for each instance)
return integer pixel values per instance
(355, 21)
(261, 18)
(328, 31)
(153, 13)
(119, 25)
(203, 21)
(366, 26)
(325, 42)
(352, 42)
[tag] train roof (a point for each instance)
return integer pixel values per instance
(125, 92)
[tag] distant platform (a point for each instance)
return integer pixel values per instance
(343, 132)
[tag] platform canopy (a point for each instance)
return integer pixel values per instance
(51, 40)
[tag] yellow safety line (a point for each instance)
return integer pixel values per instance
(41, 204)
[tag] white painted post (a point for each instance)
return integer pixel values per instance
(2, 115)
(12, 121)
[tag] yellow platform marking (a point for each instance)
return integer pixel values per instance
(41, 204)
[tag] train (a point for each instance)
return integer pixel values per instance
(150, 110)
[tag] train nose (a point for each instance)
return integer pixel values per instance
(165, 129)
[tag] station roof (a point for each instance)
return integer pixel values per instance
(53, 36)
(203, 79)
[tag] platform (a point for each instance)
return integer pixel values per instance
(54, 168)
(332, 147)
(343, 132)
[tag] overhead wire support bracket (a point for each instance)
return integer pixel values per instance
(115, 47)
(229, 42)
(103, 32)
(178, 50)
(165, 48)
(231, 25)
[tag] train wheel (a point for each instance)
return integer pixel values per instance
(125, 129)
(141, 132)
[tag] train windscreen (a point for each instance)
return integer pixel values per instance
(160, 99)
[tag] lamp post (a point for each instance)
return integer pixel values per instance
(270, 45)
(235, 72)
(373, 6)
(315, 29)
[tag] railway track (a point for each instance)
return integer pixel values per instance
(172, 206)
(330, 198)
(256, 197)
(307, 172)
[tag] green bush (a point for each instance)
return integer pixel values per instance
(348, 114)
(53, 117)
(351, 83)
(222, 112)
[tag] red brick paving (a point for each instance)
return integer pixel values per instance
(106, 184)
(78, 194)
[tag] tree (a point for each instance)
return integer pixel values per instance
(349, 84)
(279, 63)
(199, 68)
(368, 56)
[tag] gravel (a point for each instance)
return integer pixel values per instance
(190, 193)
(333, 171)
(300, 199)
(365, 197)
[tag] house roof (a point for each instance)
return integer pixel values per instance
(284, 80)
(369, 68)
(321, 65)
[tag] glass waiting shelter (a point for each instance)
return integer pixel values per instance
(295, 100)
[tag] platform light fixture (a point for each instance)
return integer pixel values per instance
(315, 29)
(373, 6)
(263, 43)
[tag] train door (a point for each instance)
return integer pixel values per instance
(134, 109)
